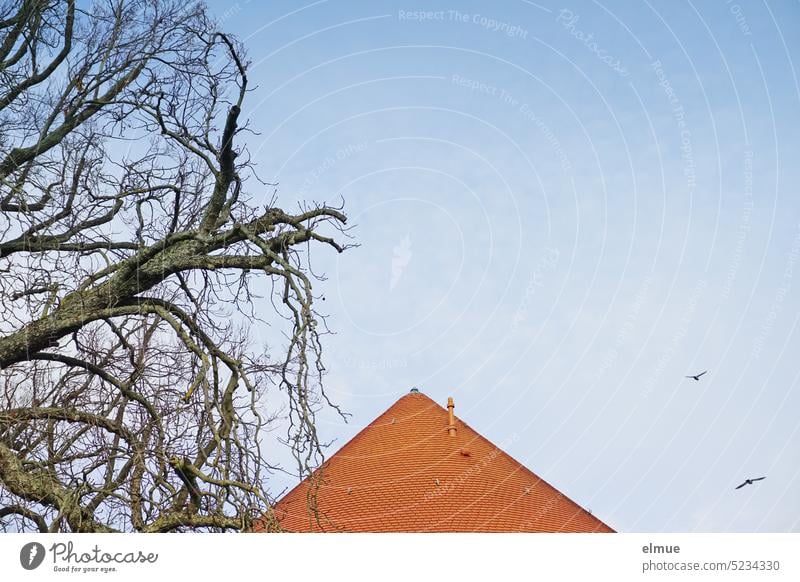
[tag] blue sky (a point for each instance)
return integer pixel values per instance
(563, 209)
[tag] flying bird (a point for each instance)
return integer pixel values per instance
(750, 482)
(697, 377)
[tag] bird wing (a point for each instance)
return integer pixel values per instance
(759, 479)
(701, 373)
(742, 485)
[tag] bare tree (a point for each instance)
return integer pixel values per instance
(132, 229)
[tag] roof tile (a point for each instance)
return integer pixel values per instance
(404, 473)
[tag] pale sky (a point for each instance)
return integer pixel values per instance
(563, 209)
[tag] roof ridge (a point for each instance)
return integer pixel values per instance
(351, 440)
(502, 452)
(421, 476)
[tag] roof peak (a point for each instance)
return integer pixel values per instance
(402, 472)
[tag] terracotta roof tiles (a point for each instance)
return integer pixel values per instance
(404, 473)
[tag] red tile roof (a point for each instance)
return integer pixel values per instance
(404, 473)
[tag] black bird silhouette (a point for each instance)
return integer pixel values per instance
(750, 482)
(697, 377)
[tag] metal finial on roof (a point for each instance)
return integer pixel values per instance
(414, 390)
(451, 427)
